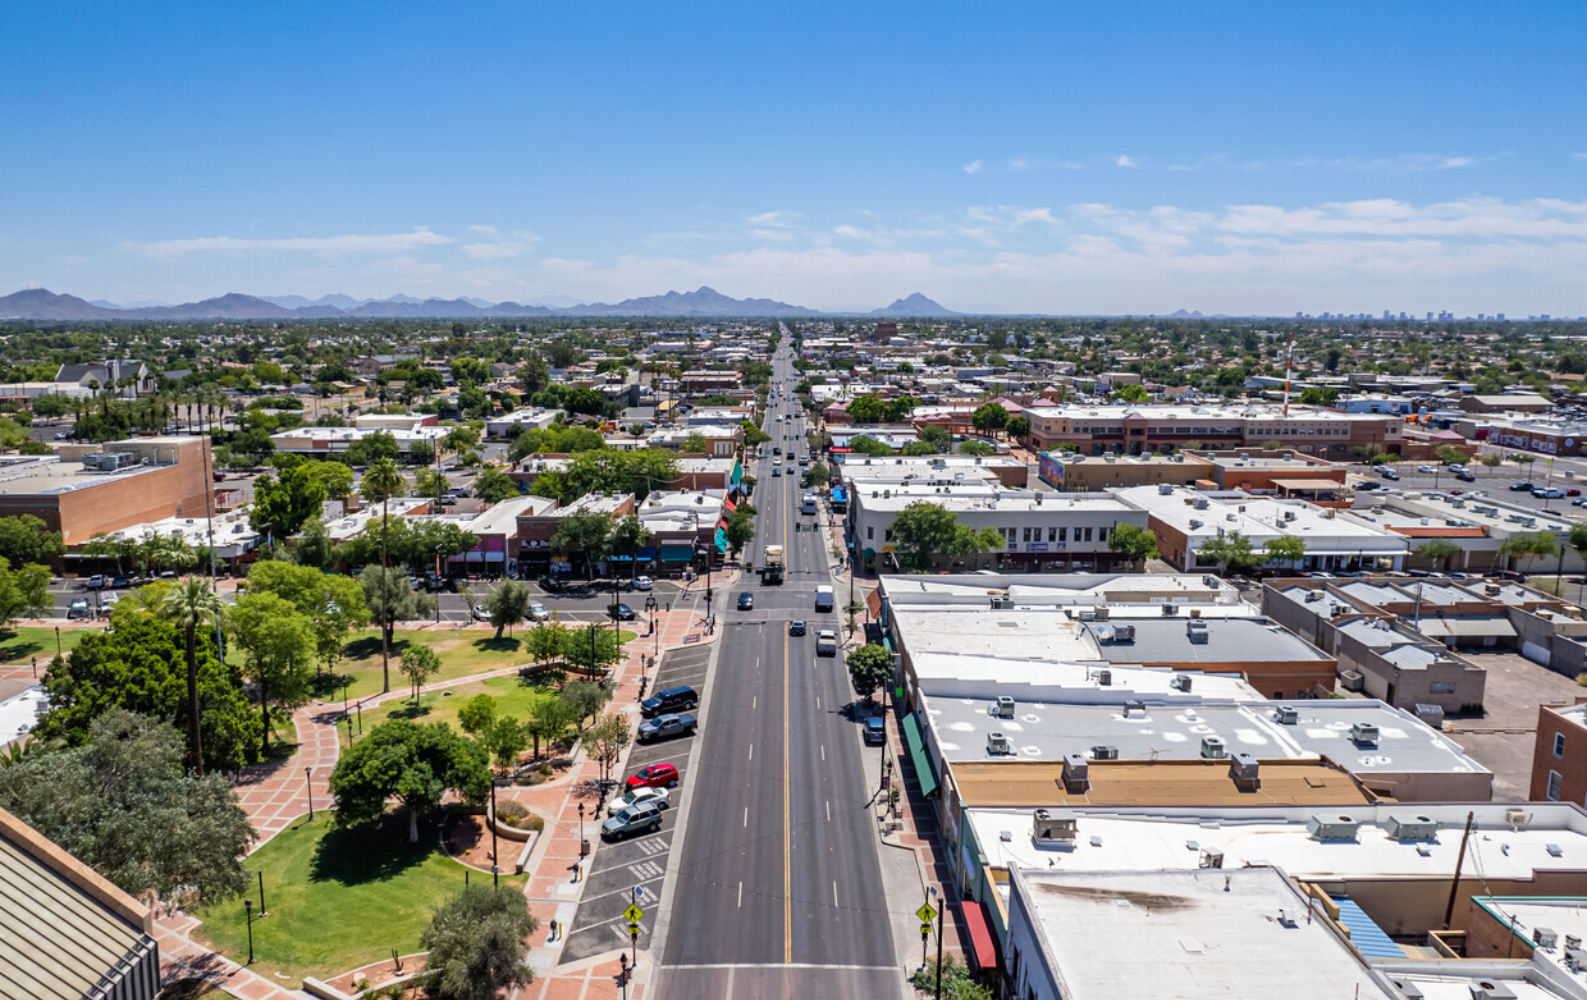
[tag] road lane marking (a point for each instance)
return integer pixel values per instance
(787, 812)
(741, 895)
(818, 703)
(829, 810)
(746, 817)
(823, 753)
(834, 894)
(752, 751)
(754, 699)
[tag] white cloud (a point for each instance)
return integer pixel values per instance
(1124, 161)
(1019, 163)
(327, 246)
(1578, 156)
(495, 245)
(1406, 163)
(974, 167)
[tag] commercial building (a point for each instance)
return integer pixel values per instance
(1478, 525)
(686, 527)
(1039, 531)
(1073, 472)
(930, 470)
(721, 440)
(84, 490)
(1278, 473)
(322, 441)
(67, 932)
(1559, 754)
(538, 526)
(1137, 429)
(527, 418)
(1185, 520)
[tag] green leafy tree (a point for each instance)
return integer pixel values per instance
(917, 448)
(390, 597)
(493, 485)
(281, 506)
(1135, 543)
(989, 418)
(508, 603)
(278, 646)
(1450, 455)
(549, 718)
(898, 409)
(314, 546)
(419, 664)
(606, 740)
(124, 805)
(870, 666)
(24, 592)
(476, 943)
(334, 477)
(1018, 427)
(1439, 551)
(1232, 552)
(382, 482)
(1539, 545)
(477, 714)
(753, 435)
(976, 448)
(867, 410)
(504, 739)
(1130, 392)
(1289, 549)
(334, 605)
(192, 604)
(585, 699)
(1318, 396)
(416, 764)
(584, 533)
(26, 539)
(922, 530)
(546, 641)
(138, 666)
(740, 531)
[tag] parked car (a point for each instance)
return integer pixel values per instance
(1426, 470)
(643, 583)
(1388, 473)
(538, 612)
(1520, 487)
(746, 601)
(621, 612)
(479, 614)
(673, 699)
(78, 608)
(659, 797)
(826, 643)
(95, 582)
(875, 731)
(1548, 493)
(664, 727)
(1573, 492)
(550, 584)
(643, 818)
(1367, 486)
(1513, 576)
(654, 776)
(796, 627)
(121, 582)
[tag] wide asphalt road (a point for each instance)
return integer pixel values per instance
(778, 890)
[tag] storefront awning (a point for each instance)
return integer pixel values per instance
(677, 553)
(721, 540)
(982, 949)
(917, 756)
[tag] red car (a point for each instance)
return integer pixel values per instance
(655, 776)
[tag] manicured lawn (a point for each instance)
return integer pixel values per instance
(338, 899)
(462, 653)
(20, 645)
(513, 697)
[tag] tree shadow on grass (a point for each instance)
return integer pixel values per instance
(366, 647)
(408, 710)
(13, 648)
(371, 852)
(504, 645)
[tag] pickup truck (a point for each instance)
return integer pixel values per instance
(664, 727)
(826, 643)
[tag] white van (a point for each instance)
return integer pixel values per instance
(826, 643)
(808, 504)
(823, 598)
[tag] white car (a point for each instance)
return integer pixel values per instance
(538, 612)
(1426, 470)
(660, 796)
(643, 583)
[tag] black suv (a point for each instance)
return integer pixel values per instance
(673, 699)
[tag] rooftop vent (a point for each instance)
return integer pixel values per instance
(999, 744)
(1245, 771)
(1325, 827)
(1003, 707)
(1124, 633)
(1134, 705)
(1165, 489)
(1104, 678)
(1077, 773)
(1489, 989)
(1049, 829)
(1002, 603)
(1545, 937)
(1364, 734)
(1169, 610)
(1213, 748)
(1104, 751)
(1286, 715)
(1200, 503)
(1407, 829)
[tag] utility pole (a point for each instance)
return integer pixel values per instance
(1454, 885)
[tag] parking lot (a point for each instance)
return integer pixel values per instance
(1495, 483)
(631, 871)
(1501, 738)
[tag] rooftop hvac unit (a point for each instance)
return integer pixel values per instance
(1169, 610)
(1433, 715)
(999, 745)
(1314, 595)
(1211, 857)
(1102, 612)
(1049, 829)
(1196, 632)
(1124, 633)
(1200, 503)
(1003, 707)
(1245, 771)
(1545, 937)
(1135, 705)
(1325, 827)
(1408, 990)
(1165, 489)
(1489, 989)
(1492, 589)
(1180, 682)
(1003, 603)
(1575, 958)
(1213, 748)
(1364, 734)
(1352, 680)
(1406, 829)
(1104, 751)
(1104, 678)
(1077, 772)
(1286, 715)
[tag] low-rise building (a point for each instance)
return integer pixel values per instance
(538, 526)
(1072, 472)
(1559, 754)
(931, 470)
(322, 441)
(1139, 428)
(526, 418)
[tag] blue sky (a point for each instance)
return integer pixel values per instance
(1056, 157)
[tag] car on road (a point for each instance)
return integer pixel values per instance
(671, 699)
(1367, 485)
(120, 582)
(826, 643)
(659, 797)
(538, 612)
(1548, 493)
(665, 727)
(643, 583)
(875, 731)
(62, 435)
(478, 613)
(796, 627)
(1466, 476)
(78, 608)
(1520, 487)
(655, 776)
(775, 472)
(746, 601)
(777, 450)
(1426, 470)
(621, 612)
(1510, 575)
(550, 584)
(643, 818)
(95, 582)
(1388, 473)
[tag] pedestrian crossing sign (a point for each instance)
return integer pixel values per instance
(927, 913)
(633, 913)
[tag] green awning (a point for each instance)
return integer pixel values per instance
(721, 540)
(676, 553)
(917, 755)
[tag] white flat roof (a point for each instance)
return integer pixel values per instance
(1261, 519)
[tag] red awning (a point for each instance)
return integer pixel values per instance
(722, 523)
(984, 952)
(730, 505)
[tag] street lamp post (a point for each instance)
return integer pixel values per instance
(495, 857)
(247, 905)
(308, 784)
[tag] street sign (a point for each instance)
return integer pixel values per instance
(633, 913)
(927, 913)
(925, 930)
(633, 932)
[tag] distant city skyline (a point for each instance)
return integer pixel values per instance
(1247, 159)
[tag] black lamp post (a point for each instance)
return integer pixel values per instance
(248, 909)
(308, 784)
(495, 857)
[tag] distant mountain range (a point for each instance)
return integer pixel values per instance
(702, 303)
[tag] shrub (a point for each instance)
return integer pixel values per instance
(510, 812)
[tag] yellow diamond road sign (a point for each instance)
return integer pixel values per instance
(926, 913)
(633, 913)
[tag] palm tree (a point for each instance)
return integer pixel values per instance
(189, 604)
(382, 481)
